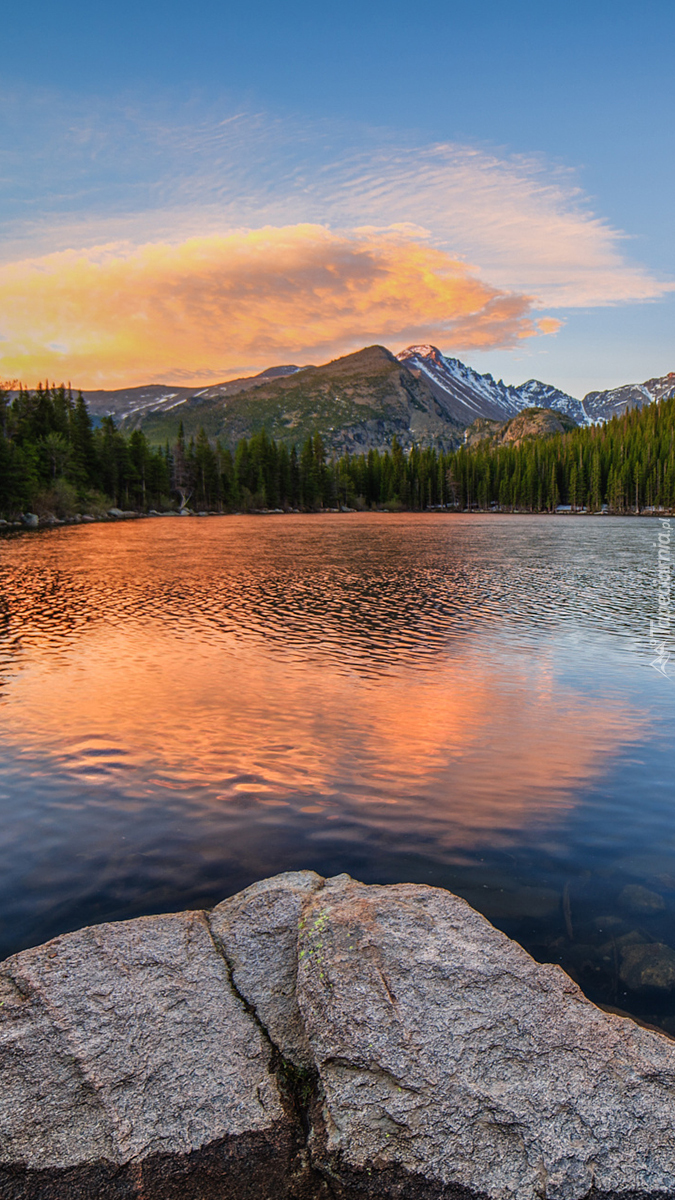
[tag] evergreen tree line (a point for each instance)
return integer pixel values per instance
(53, 459)
(627, 464)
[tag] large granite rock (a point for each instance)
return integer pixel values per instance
(131, 1068)
(322, 1040)
(452, 1064)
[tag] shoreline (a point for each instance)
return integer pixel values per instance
(41, 525)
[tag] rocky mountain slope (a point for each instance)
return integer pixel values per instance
(530, 423)
(602, 406)
(471, 395)
(131, 404)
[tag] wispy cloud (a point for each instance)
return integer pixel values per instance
(217, 305)
(128, 171)
(233, 239)
(526, 224)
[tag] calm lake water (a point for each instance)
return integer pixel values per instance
(467, 701)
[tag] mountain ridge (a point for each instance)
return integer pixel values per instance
(361, 401)
(614, 401)
(356, 402)
(162, 397)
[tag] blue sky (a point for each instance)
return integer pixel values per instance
(533, 143)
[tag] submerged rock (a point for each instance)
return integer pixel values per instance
(509, 904)
(654, 867)
(648, 967)
(611, 924)
(320, 1039)
(640, 900)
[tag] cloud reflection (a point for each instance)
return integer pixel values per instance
(479, 746)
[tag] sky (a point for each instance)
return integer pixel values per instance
(190, 193)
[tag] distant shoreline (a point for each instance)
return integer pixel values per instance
(22, 526)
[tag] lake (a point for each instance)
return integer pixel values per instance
(461, 700)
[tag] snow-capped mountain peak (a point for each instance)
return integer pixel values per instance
(466, 394)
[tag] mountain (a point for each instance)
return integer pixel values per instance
(602, 406)
(356, 403)
(128, 403)
(361, 401)
(468, 395)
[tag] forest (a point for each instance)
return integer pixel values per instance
(55, 461)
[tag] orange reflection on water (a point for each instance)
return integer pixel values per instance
(479, 743)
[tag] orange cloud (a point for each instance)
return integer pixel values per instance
(219, 305)
(548, 324)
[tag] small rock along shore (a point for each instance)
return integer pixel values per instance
(320, 1039)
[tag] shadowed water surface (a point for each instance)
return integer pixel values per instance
(187, 706)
